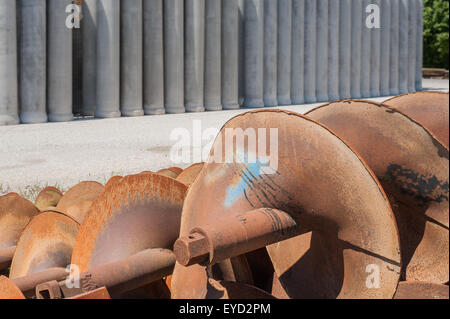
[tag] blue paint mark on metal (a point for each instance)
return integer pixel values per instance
(234, 192)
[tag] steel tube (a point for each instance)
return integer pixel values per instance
(118, 277)
(108, 59)
(345, 29)
(375, 50)
(333, 50)
(419, 43)
(59, 63)
(254, 48)
(230, 52)
(412, 46)
(213, 44)
(9, 101)
(385, 47)
(403, 57)
(284, 51)
(234, 236)
(89, 39)
(365, 52)
(174, 56)
(355, 72)
(394, 47)
(270, 52)
(153, 57)
(298, 53)
(194, 55)
(310, 51)
(131, 75)
(28, 283)
(32, 61)
(322, 51)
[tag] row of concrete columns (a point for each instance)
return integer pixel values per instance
(149, 57)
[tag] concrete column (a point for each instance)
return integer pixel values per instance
(298, 51)
(365, 52)
(131, 86)
(375, 58)
(59, 63)
(241, 51)
(77, 70)
(174, 56)
(322, 51)
(412, 45)
(254, 48)
(153, 57)
(394, 48)
(89, 34)
(345, 33)
(32, 61)
(333, 50)
(310, 51)
(284, 51)
(357, 28)
(385, 47)
(270, 53)
(213, 49)
(403, 57)
(419, 44)
(194, 54)
(108, 59)
(230, 52)
(8, 64)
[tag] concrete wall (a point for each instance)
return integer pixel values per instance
(136, 57)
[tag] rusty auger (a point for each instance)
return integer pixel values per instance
(15, 213)
(189, 175)
(48, 197)
(428, 108)
(412, 166)
(319, 187)
(123, 244)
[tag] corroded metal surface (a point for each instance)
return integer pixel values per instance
(112, 181)
(140, 212)
(28, 283)
(46, 242)
(412, 167)
(8, 290)
(48, 197)
(15, 213)
(323, 185)
(6, 256)
(428, 108)
(421, 290)
(171, 172)
(235, 290)
(100, 293)
(77, 201)
(189, 175)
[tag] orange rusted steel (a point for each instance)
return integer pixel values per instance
(428, 108)
(322, 184)
(412, 166)
(15, 213)
(171, 172)
(46, 242)
(112, 181)
(48, 197)
(233, 236)
(119, 277)
(189, 175)
(28, 283)
(100, 293)
(77, 201)
(6, 256)
(421, 290)
(8, 290)
(139, 212)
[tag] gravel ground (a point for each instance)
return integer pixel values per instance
(63, 154)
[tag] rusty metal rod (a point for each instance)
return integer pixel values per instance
(118, 277)
(234, 236)
(6, 256)
(28, 283)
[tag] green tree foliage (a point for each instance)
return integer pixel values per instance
(435, 34)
